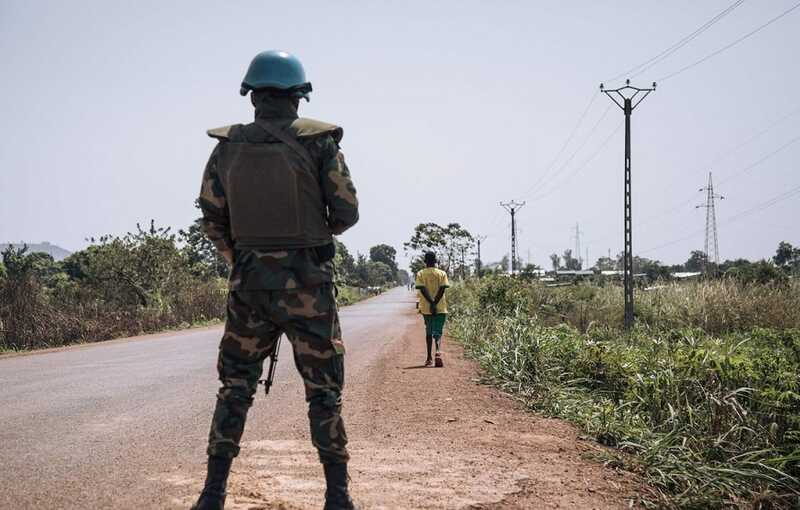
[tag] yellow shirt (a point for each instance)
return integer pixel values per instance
(432, 279)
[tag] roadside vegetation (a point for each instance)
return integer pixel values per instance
(146, 281)
(702, 397)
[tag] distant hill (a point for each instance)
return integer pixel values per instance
(57, 252)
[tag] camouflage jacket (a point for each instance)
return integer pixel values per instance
(255, 269)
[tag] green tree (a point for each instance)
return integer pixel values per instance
(379, 274)
(137, 268)
(555, 261)
(403, 277)
(757, 272)
(386, 254)
(696, 261)
(570, 262)
(19, 263)
(345, 265)
(448, 243)
(606, 264)
(201, 252)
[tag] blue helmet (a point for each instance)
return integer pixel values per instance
(277, 70)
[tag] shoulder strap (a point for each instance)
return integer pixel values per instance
(286, 138)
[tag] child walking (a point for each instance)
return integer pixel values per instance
(431, 283)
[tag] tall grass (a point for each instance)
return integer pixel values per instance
(717, 307)
(703, 401)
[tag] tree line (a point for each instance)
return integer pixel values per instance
(147, 280)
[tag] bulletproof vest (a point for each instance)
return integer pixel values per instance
(272, 188)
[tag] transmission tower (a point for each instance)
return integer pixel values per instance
(578, 245)
(512, 207)
(712, 243)
(628, 96)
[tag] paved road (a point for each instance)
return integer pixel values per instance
(98, 426)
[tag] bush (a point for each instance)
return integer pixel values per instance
(138, 283)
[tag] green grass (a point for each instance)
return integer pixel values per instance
(710, 419)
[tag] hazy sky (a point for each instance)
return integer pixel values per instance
(447, 107)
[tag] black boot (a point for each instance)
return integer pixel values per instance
(336, 495)
(213, 495)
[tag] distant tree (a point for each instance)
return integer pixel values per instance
(138, 268)
(379, 274)
(19, 263)
(570, 262)
(448, 243)
(696, 261)
(403, 278)
(606, 264)
(505, 263)
(345, 265)
(3, 271)
(785, 254)
(201, 253)
(529, 271)
(386, 254)
(652, 268)
(761, 272)
(555, 260)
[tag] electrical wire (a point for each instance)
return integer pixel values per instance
(565, 144)
(578, 169)
(755, 164)
(497, 216)
(732, 219)
(647, 64)
(729, 45)
(721, 156)
(575, 152)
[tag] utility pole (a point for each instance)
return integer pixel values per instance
(712, 244)
(479, 264)
(628, 95)
(578, 245)
(512, 207)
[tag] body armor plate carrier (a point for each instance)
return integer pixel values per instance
(273, 189)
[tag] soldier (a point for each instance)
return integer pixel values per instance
(432, 284)
(274, 192)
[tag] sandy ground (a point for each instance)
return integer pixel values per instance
(434, 438)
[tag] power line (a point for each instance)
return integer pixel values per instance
(566, 143)
(578, 169)
(732, 219)
(724, 154)
(730, 45)
(647, 64)
(766, 157)
(731, 177)
(576, 151)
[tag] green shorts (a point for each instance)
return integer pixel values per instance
(434, 324)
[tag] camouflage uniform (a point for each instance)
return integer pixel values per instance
(273, 292)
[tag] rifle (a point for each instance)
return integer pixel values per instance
(273, 362)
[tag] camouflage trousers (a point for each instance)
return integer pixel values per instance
(256, 320)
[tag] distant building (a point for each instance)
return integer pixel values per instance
(57, 252)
